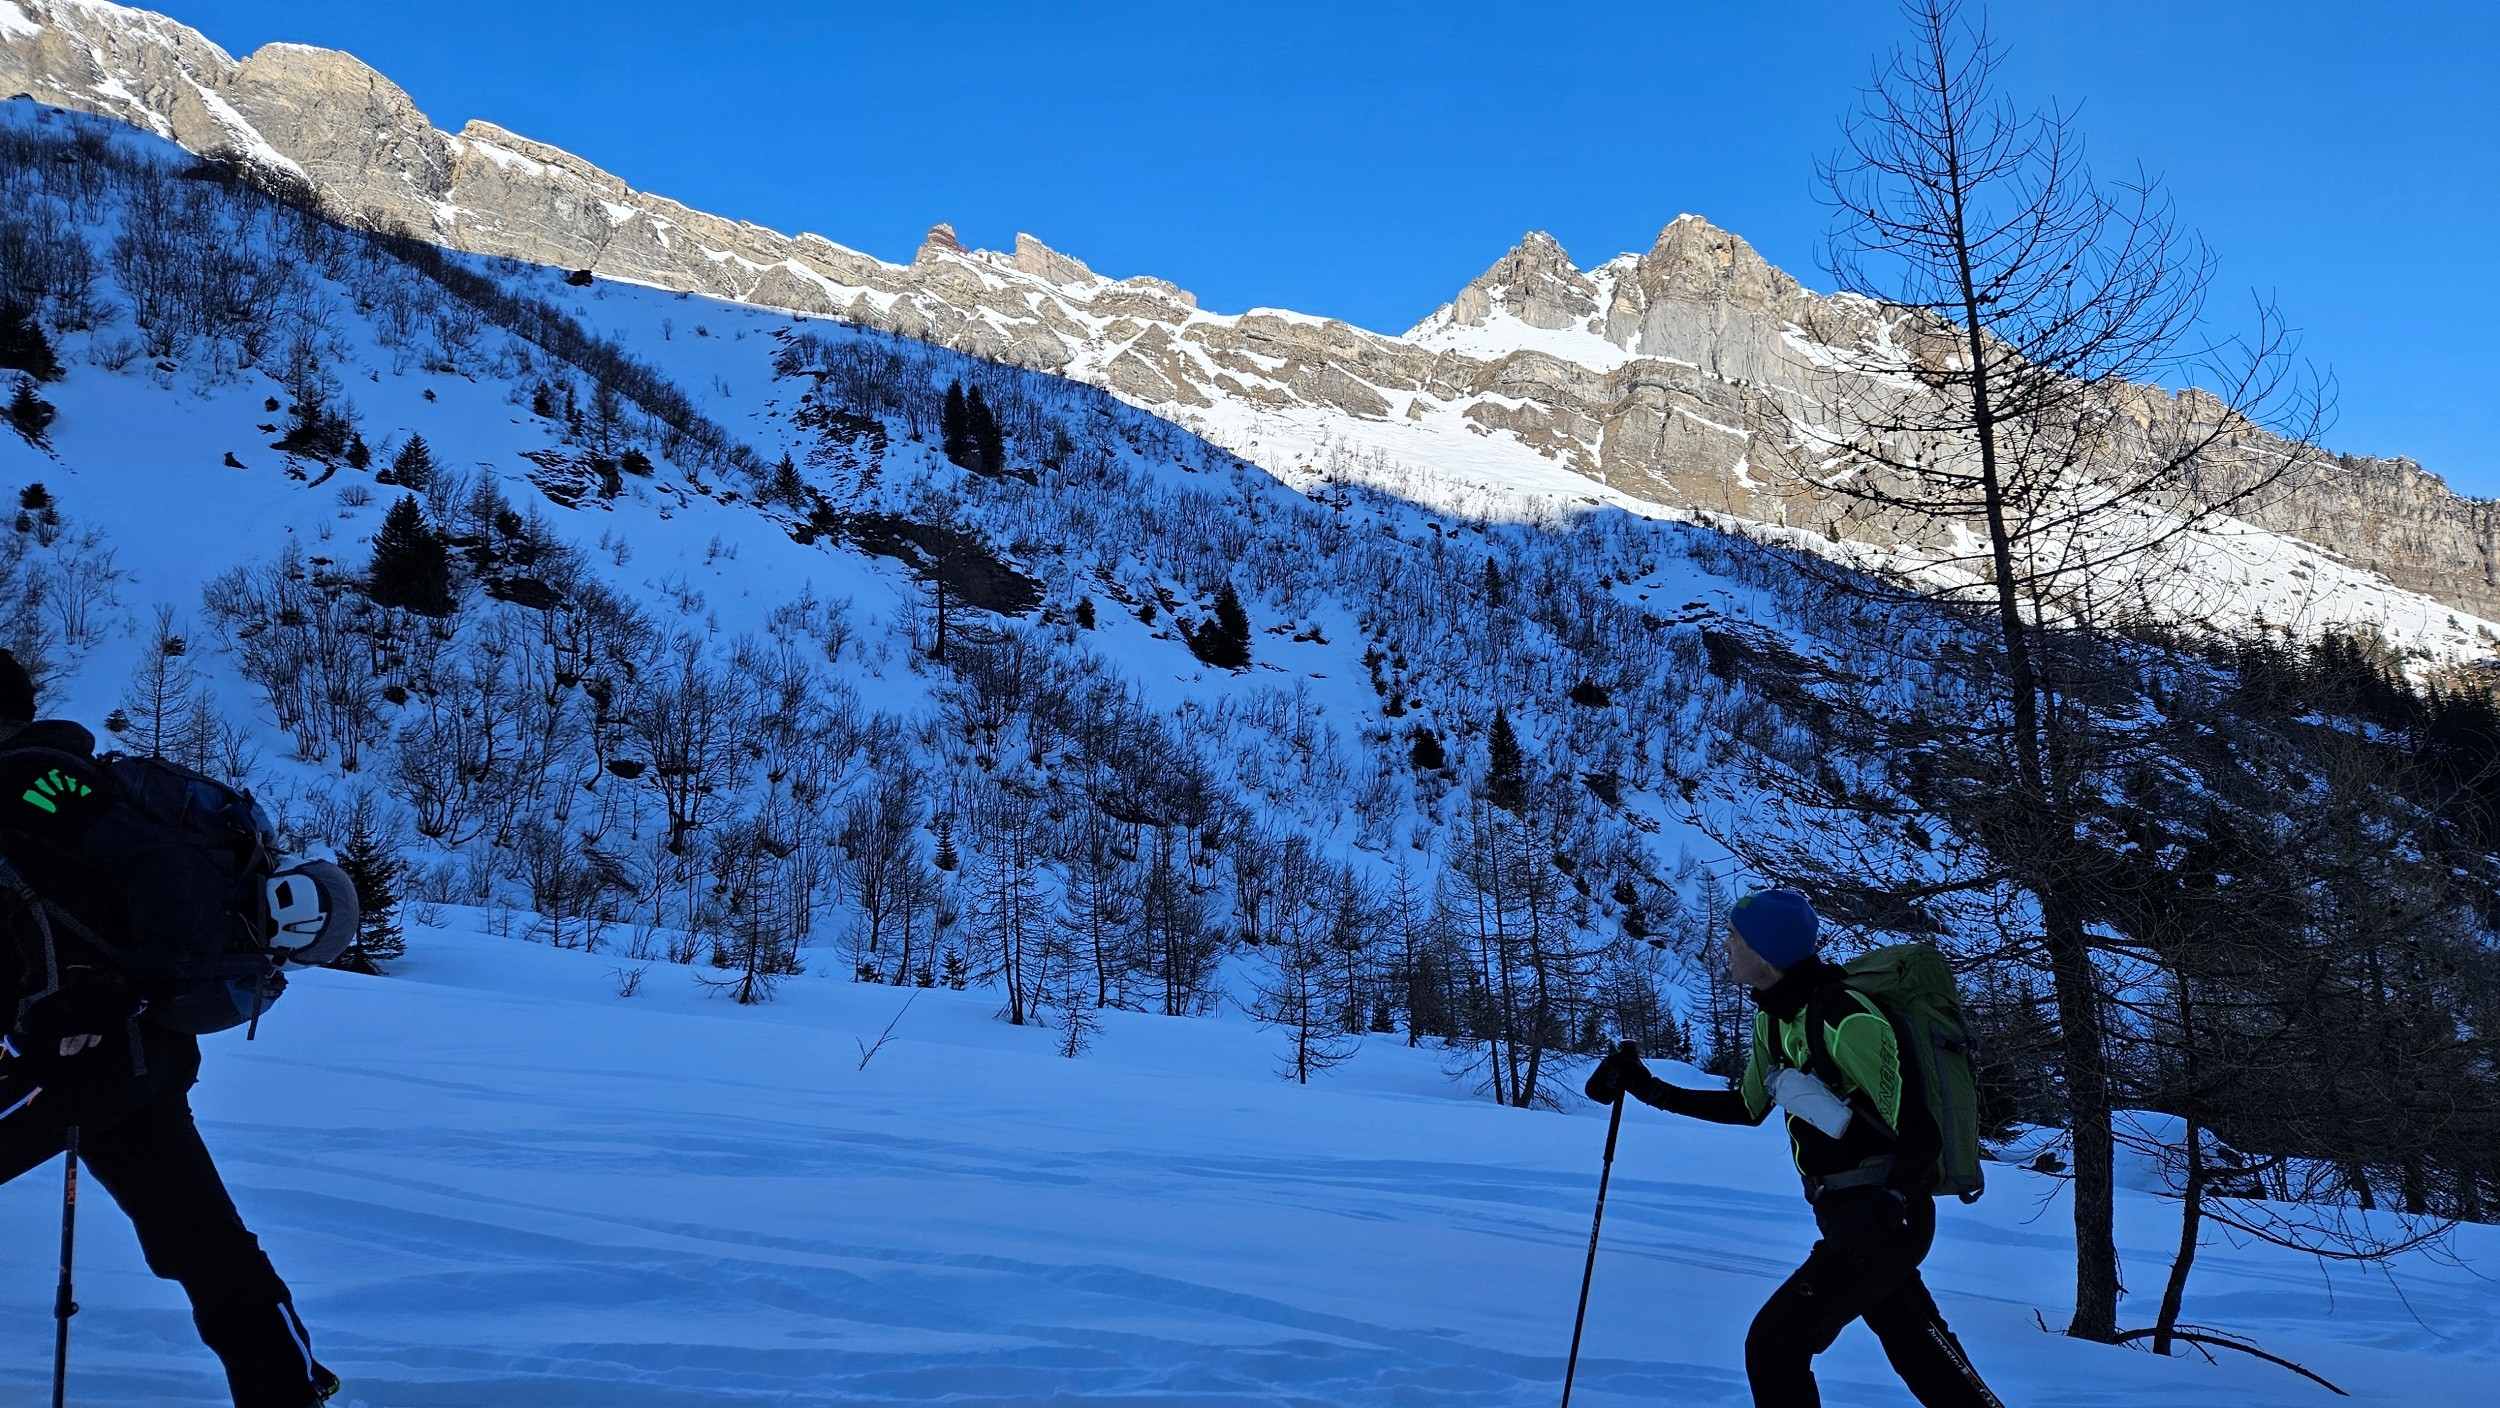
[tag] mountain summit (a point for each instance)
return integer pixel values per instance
(1667, 380)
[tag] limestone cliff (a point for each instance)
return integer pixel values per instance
(1676, 376)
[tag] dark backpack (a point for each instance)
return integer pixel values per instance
(1915, 988)
(187, 857)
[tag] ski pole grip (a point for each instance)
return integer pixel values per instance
(1614, 1122)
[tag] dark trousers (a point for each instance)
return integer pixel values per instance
(1864, 1268)
(138, 1140)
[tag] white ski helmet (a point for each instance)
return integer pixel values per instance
(312, 912)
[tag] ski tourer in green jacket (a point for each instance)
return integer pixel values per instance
(1864, 1143)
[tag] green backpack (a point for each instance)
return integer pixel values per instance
(1915, 988)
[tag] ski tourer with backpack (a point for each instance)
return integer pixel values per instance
(1870, 1065)
(143, 906)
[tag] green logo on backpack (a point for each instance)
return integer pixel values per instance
(54, 784)
(1913, 985)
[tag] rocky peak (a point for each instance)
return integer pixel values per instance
(1042, 262)
(1536, 283)
(1696, 259)
(352, 131)
(940, 240)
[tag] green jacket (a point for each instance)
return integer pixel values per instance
(1861, 1063)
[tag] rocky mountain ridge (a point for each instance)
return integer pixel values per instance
(1653, 380)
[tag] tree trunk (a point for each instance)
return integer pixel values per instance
(2088, 1124)
(2192, 1194)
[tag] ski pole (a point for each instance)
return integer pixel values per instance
(1588, 1273)
(62, 1306)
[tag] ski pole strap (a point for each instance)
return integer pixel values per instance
(1874, 1173)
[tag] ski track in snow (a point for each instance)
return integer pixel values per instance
(492, 1182)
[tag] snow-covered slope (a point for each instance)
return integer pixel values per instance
(1368, 629)
(1679, 376)
(492, 1181)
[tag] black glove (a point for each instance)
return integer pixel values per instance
(83, 1007)
(1620, 1070)
(75, 1043)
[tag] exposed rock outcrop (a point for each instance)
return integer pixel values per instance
(1675, 376)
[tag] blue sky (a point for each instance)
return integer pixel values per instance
(1365, 160)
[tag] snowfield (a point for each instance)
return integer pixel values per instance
(492, 1181)
(495, 1181)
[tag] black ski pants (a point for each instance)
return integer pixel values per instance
(1865, 1267)
(142, 1146)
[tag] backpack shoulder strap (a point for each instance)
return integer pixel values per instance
(1830, 1005)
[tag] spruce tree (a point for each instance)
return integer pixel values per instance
(1493, 593)
(1225, 641)
(989, 444)
(1506, 778)
(955, 429)
(376, 873)
(787, 487)
(29, 413)
(413, 467)
(38, 514)
(1234, 623)
(23, 347)
(411, 563)
(1426, 751)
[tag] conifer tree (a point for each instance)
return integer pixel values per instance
(787, 487)
(29, 413)
(1426, 751)
(955, 429)
(413, 467)
(38, 513)
(411, 563)
(376, 874)
(989, 444)
(1493, 595)
(23, 347)
(1225, 641)
(1506, 779)
(1233, 622)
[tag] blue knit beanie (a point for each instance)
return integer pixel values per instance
(1777, 924)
